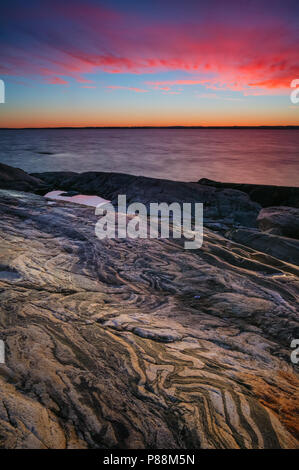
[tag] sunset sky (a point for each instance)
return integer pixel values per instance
(123, 63)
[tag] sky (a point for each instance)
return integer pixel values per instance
(148, 63)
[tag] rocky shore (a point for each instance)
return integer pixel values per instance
(123, 343)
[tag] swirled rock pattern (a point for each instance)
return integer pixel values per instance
(140, 343)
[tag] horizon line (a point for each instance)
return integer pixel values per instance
(288, 126)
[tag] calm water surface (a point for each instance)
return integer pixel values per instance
(247, 156)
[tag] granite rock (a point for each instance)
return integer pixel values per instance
(280, 220)
(122, 343)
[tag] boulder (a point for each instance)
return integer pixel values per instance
(282, 248)
(280, 221)
(265, 195)
(19, 180)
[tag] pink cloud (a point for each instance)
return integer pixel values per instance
(158, 84)
(83, 80)
(118, 87)
(248, 54)
(165, 88)
(56, 81)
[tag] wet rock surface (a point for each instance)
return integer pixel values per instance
(140, 343)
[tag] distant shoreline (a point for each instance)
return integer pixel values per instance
(151, 127)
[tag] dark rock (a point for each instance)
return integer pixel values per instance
(19, 180)
(265, 195)
(70, 193)
(280, 221)
(228, 205)
(282, 248)
(55, 179)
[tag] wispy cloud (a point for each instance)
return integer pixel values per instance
(255, 53)
(214, 96)
(56, 81)
(131, 88)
